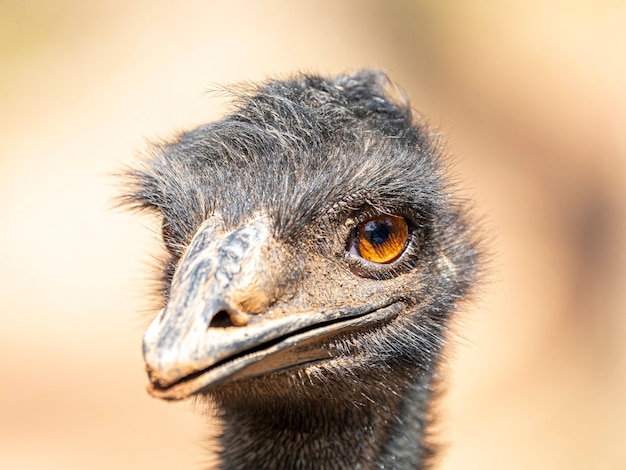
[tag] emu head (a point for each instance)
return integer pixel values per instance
(311, 240)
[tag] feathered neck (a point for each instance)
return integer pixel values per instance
(384, 427)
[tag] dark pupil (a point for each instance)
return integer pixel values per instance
(377, 232)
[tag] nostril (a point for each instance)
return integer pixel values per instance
(227, 317)
(221, 320)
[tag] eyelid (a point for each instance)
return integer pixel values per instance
(366, 269)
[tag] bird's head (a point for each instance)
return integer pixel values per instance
(310, 235)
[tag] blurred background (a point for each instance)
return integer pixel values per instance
(531, 99)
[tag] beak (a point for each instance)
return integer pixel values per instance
(215, 329)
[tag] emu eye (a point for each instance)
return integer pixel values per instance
(381, 239)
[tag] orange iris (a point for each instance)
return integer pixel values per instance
(382, 239)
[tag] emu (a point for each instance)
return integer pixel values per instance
(315, 253)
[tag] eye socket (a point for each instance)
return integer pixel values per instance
(381, 239)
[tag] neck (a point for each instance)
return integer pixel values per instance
(377, 425)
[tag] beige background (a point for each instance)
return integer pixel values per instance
(531, 96)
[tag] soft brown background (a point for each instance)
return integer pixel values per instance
(531, 97)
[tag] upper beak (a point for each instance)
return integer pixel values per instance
(231, 275)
